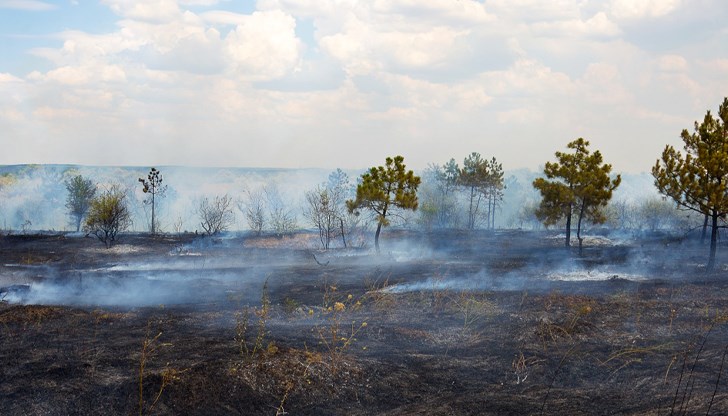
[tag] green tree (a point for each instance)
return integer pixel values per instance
(384, 189)
(698, 181)
(474, 178)
(494, 188)
(578, 184)
(108, 215)
(153, 187)
(81, 192)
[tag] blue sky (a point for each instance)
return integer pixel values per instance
(345, 83)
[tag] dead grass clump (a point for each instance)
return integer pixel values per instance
(566, 317)
(472, 308)
(377, 295)
(31, 314)
(302, 376)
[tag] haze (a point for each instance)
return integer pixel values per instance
(343, 83)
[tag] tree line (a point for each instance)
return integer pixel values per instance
(574, 189)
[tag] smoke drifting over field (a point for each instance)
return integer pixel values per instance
(33, 197)
(207, 270)
(233, 270)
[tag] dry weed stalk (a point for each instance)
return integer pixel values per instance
(334, 336)
(150, 348)
(521, 366)
(242, 323)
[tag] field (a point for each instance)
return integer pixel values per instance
(444, 323)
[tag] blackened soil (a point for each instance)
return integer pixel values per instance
(443, 323)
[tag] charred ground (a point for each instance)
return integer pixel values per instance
(442, 323)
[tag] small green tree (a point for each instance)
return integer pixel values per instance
(81, 192)
(577, 184)
(494, 189)
(384, 189)
(699, 180)
(108, 215)
(153, 187)
(474, 177)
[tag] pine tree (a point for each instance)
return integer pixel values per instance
(154, 188)
(577, 184)
(698, 181)
(384, 189)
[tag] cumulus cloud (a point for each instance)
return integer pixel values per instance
(597, 25)
(640, 9)
(263, 46)
(302, 82)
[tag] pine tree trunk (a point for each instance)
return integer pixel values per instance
(376, 236)
(705, 229)
(568, 227)
(578, 228)
(713, 241)
(343, 235)
(153, 225)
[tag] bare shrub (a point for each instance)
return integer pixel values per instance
(216, 215)
(253, 208)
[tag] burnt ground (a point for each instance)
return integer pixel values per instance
(441, 323)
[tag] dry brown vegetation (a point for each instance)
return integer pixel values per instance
(337, 339)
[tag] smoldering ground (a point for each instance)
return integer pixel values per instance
(457, 323)
(200, 270)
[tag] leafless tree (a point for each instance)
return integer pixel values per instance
(216, 215)
(320, 211)
(253, 209)
(282, 218)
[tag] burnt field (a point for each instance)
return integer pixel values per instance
(439, 323)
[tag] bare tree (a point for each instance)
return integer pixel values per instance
(320, 211)
(216, 215)
(282, 218)
(253, 208)
(108, 215)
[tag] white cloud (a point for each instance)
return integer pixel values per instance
(598, 25)
(28, 5)
(641, 9)
(150, 10)
(263, 46)
(302, 82)
(672, 63)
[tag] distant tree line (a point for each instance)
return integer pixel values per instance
(574, 191)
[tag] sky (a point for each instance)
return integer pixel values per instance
(346, 83)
